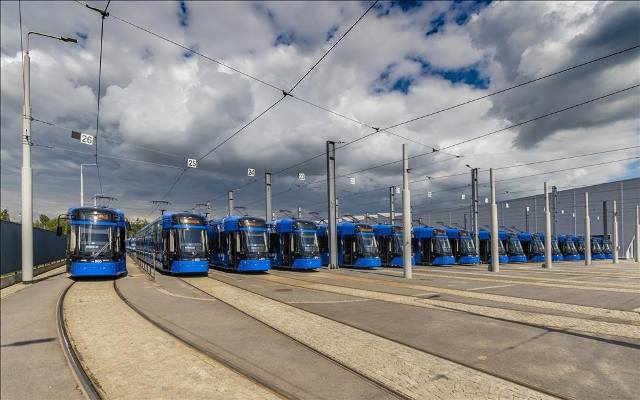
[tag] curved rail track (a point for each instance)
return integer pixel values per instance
(79, 372)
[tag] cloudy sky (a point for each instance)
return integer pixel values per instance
(161, 104)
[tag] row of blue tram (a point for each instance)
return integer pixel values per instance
(188, 243)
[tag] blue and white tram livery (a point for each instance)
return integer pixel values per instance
(239, 244)
(389, 238)
(357, 246)
(174, 243)
(293, 243)
(95, 242)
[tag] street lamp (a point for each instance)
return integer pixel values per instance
(26, 175)
(82, 183)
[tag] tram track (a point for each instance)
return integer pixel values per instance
(193, 345)
(391, 339)
(86, 384)
(315, 351)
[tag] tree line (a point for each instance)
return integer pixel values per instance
(50, 224)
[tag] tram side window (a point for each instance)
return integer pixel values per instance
(274, 243)
(172, 242)
(323, 243)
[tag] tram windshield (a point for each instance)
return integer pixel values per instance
(537, 248)
(467, 247)
(606, 247)
(94, 241)
(396, 244)
(308, 243)
(580, 246)
(442, 246)
(595, 247)
(554, 247)
(501, 249)
(515, 247)
(569, 248)
(254, 242)
(192, 242)
(367, 245)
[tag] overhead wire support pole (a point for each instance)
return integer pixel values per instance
(474, 200)
(636, 252)
(406, 215)
(616, 247)
(267, 190)
(392, 198)
(26, 173)
(230, 202)
(548, 254)
(494, 266)
(104, 14)
(332, 229)
(587, 231)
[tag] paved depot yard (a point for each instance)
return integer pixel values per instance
(450, 333)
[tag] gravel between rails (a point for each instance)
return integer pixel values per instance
(413, 373)
(127, 357)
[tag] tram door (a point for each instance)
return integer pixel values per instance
(287, 248)
(427, 250)
(349, 250)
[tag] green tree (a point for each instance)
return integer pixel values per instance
(4, 215)
(44, 222)
(136, 226)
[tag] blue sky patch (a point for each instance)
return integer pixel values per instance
(285, 38)
(436, 24)
(83, 38)
(183, 14)
(462, 10)
(387, 82)
(332, 32)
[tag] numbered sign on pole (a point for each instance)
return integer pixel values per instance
(192, 163)
(398, 190)
(352, 180)
(301, 176)
(506, 205)
(251, 172)
(463, 196)
(429, 194)
(486, 200)
(86, 139)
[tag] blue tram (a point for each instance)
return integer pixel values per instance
(239, 243)
(597, 253)
(357, 246)
(293, 243)
(532, 246)
(568, 248)
(484, 237)
(512, 246)
(462, 246)
(389, 239)
(175, 243)
(605, 245)
(96, 241)
(556, 253)
(431, 246)
(579, 242)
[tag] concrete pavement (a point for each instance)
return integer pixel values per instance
(33, 365)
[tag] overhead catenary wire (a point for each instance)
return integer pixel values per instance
(58, 126)
(582, 64)
(484, 135)
(284, 95)
(376, 130)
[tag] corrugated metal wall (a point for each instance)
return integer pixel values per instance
(626, 193)
(47, 247)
